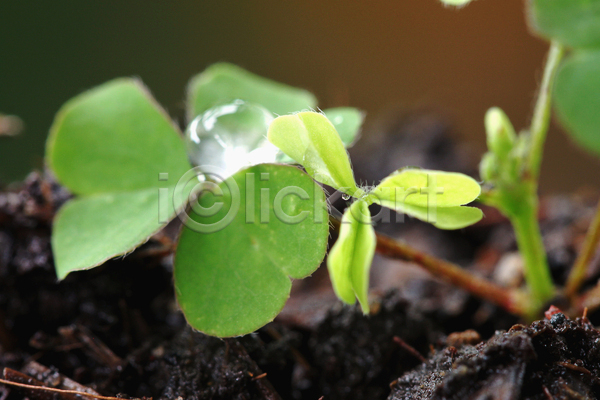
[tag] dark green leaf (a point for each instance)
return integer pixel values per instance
(114, 146)
(347, 122)
(236, 278)
(222, 83)
(575, 23)
(577, 96)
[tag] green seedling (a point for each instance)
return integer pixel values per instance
(246, 236)
(511, 167)
(437, 197)
(127, 164)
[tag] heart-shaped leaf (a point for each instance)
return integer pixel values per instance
(575, 23)
(223, 82)
(349, 260)
(269, 224)
(311, 140)
(577, 95)
(115, 147)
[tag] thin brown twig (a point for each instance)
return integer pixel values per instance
(410, 349)
(55, 390)
(509, 299)
(590, 245)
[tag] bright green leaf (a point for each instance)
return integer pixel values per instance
(223, 82)
(500, 133)
(423, 188)
(114, 138)
(575, 23)
(114, 146)
(577, 95)
(236, 279)
(441, 217)
(310, 139)
(349, 260)
(91, 230)
(346, 121)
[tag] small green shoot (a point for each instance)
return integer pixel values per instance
(432, 196)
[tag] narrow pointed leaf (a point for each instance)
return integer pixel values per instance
(575, 23)
(347, 122)
(115, 147)
(350, 259)
(236, 278)
(423, 188)
(447, 218)
(310, 139)
(223, 82)
(577, 95)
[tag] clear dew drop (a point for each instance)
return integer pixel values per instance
(230, 137)
(345, 196)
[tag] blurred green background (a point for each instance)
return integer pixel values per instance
(368, 54)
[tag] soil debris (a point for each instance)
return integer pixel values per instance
(557, 358)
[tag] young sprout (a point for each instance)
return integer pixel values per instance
(436, 197)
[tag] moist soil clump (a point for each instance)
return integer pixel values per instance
(551, 359)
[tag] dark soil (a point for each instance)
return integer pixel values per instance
(555, 359)
(116, 328)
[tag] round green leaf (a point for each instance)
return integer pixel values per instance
(577, 95)
(114, 138)
(350, 259)
(347, 122)
(90, 230)
(232, 274)
(311, 140)
(575, 23)
(225, 82)
(426, 188)
(115, 147)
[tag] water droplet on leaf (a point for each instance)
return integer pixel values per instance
(230, 137)
(345, 196)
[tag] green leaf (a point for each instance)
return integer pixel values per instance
(349, 260)
(431, 196)
(500, 133)
(577, 95)
(110, 145)
(91, 230)
(423, 188)
(236, 279)
(310, 139)
(223, 82)
(441, 217)
(575, 23)
(114, 138)
(347, 122)
(456, 2)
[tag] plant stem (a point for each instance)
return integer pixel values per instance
(590, 244)
(542, 110)
(531, 246)
(510, 299)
